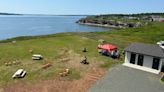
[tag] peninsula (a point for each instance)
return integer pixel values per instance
(122, 20)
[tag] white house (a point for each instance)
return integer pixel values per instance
(146, 57)
(158, 19)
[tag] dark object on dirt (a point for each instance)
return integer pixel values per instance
(84, 61)
(84, 50)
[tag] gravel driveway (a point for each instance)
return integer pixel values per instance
(124, 79)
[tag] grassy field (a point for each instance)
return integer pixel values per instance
(63, 50)
(54, 49)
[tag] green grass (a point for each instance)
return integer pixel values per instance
(57, 46)
(162, 79)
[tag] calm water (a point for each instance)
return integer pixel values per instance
(13, 26)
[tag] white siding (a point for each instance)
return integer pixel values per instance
(136, 60)
(161, 64)
(147, 62)
(127, 57)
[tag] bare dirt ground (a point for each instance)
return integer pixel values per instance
(58, 85)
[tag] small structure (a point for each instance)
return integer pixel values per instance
(37, 57)
(146, 57)
(20, 73)
(108, 50)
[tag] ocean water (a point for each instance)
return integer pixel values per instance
(14, 26)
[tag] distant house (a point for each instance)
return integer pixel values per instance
(132, 18)
(146, 57)
(158, 19)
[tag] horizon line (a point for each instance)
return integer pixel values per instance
(79, 14)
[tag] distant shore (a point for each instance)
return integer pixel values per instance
(100, 25)
(9, 14)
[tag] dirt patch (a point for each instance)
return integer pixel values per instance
(72, 60)
(59, 85)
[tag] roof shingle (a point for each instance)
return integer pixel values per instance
(146, 49)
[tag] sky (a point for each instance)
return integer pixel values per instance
(77, 7)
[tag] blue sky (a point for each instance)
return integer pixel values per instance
(81, 6)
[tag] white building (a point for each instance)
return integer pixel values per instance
(146, 57)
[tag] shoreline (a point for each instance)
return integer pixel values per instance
(100, 25)
(31, 37)
(20, 38)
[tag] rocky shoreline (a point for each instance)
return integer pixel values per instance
(99, 25)
(109, 24)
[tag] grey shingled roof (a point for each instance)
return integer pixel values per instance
(146, 49)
